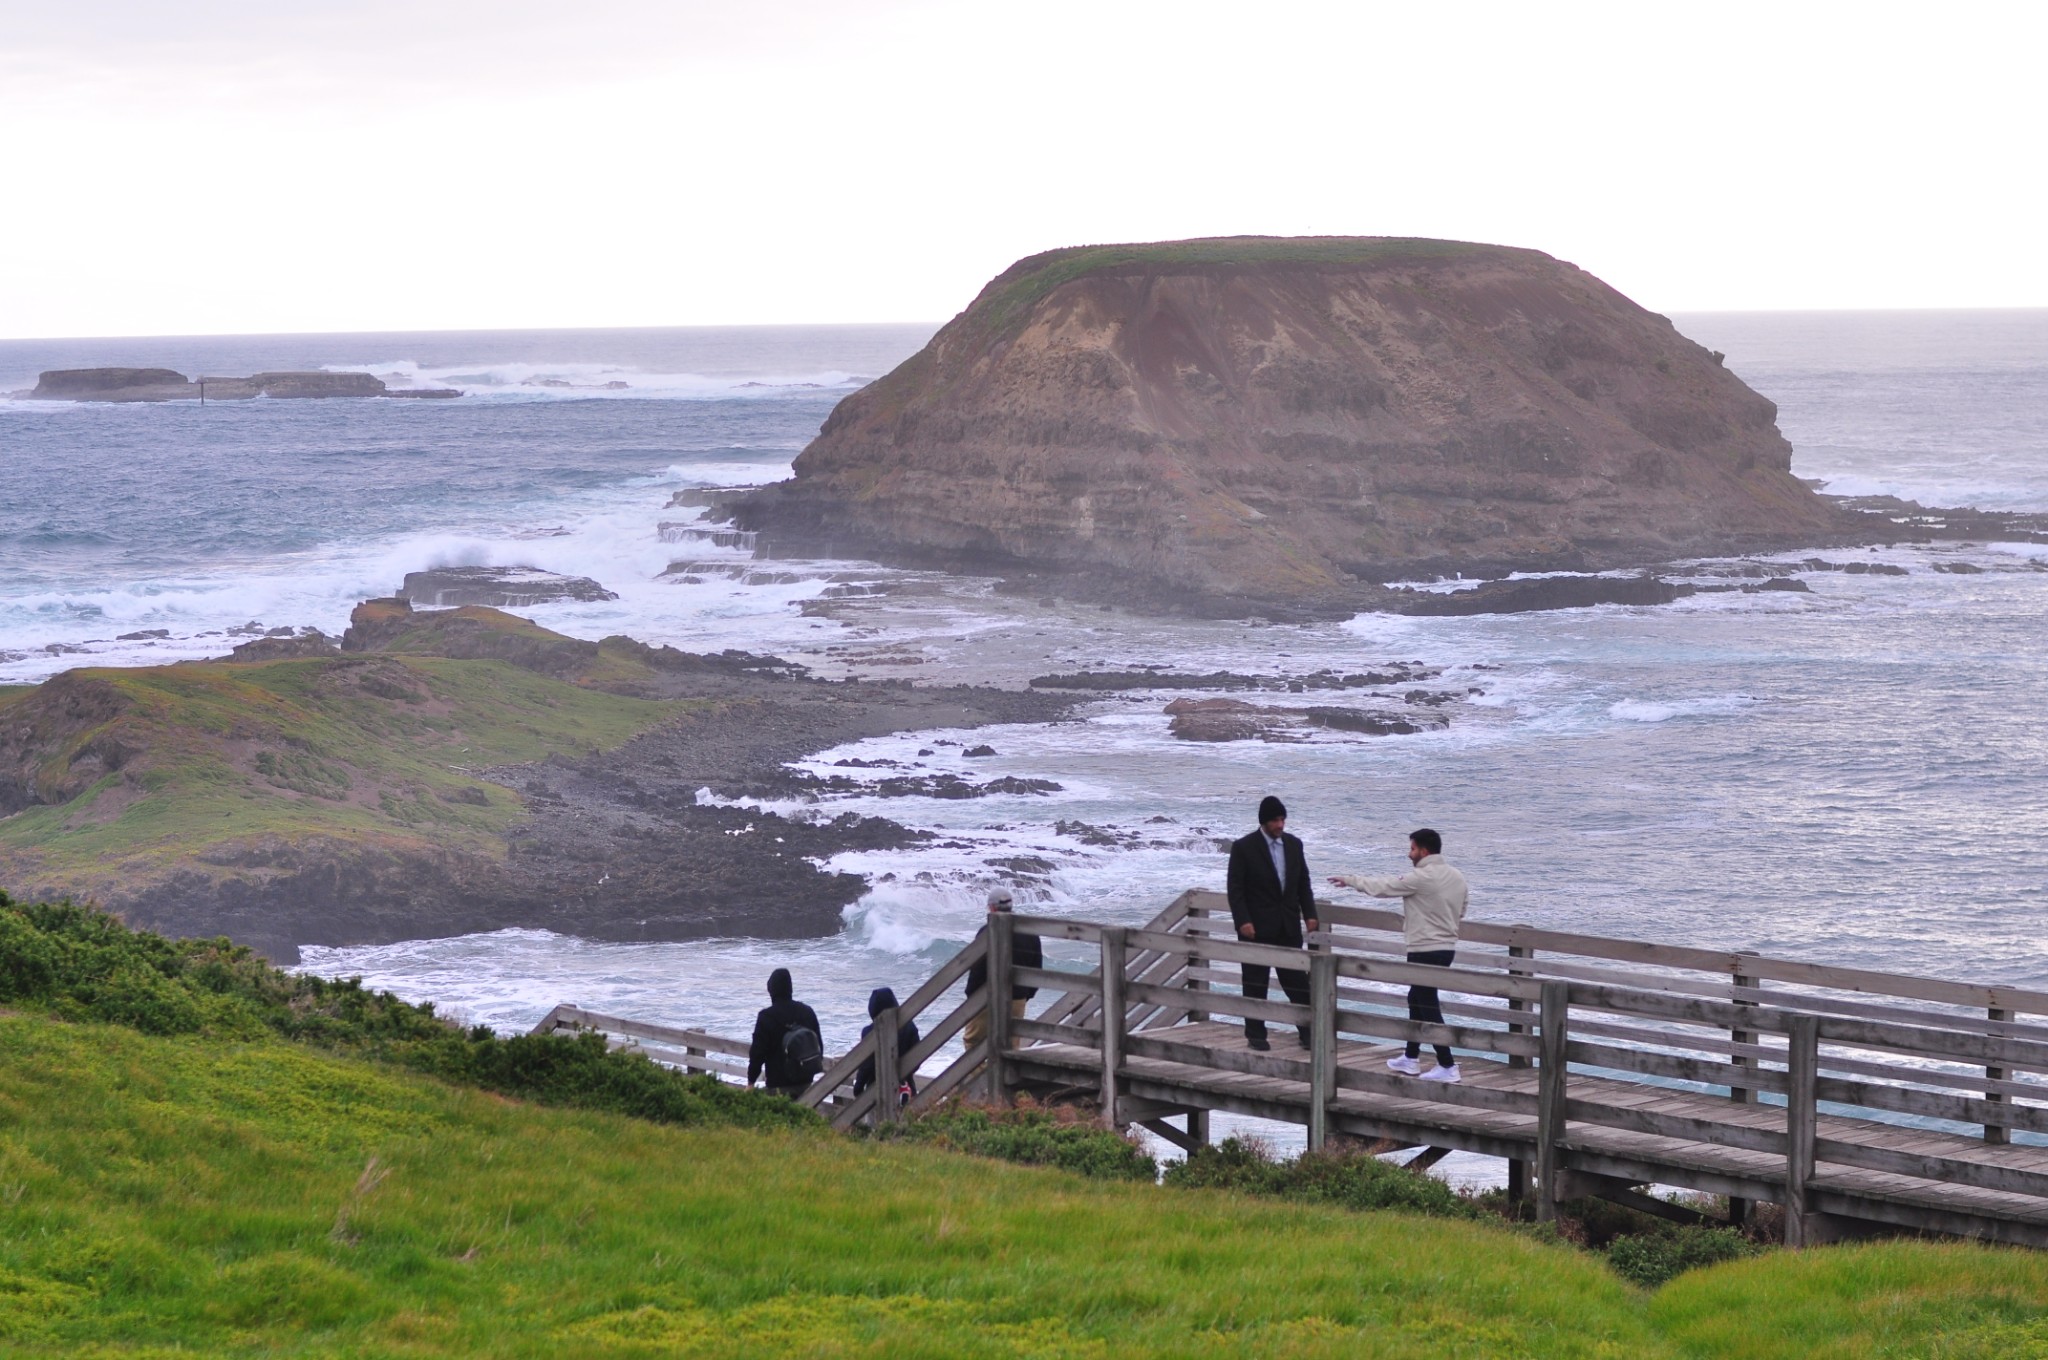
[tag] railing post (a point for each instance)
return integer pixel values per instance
(1738, 1209)
(1196, 984)
(1001, 927)
(1322, 1003)
(1996, 1133)
(888, 1074)
(1198, 1120)
(1553, 1017)
(1113, 952)
(1802, 1063)
(1518, 1170)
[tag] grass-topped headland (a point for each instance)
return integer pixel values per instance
(443, 772)
(158, 784)
(221, 1188)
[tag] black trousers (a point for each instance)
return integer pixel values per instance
(1423, 1003)
(1293, 981)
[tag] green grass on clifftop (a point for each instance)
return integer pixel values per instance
(1009, 298)
(159, 763)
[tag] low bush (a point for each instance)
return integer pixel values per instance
(82, 964)
(1346, 1175)
(1033, 1135)
(1650, 1259)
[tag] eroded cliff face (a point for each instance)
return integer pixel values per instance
(1264, 420)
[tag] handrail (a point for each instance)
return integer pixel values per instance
(1682, 1023)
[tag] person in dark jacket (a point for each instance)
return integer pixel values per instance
(1026, 951)
(879, 1000)
(1271, 898)
(766, 1056)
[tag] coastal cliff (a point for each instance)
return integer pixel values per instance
(1253, 421)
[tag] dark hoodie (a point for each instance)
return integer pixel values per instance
(879, 1000)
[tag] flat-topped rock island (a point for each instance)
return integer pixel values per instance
(164, 384)
(1248, 423)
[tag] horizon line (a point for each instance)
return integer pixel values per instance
(876, 325)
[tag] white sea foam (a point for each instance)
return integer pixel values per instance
(544, 380)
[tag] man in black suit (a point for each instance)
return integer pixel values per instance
(1271, 897)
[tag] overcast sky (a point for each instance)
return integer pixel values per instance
(226, 166)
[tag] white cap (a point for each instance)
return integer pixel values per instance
(998, 897)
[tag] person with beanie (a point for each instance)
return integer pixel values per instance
(1271, 898)
(1026, 951)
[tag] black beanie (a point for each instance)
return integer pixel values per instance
(1269, 808)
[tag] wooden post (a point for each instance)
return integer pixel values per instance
(1322, 1084)
(1198, 1127)
(1738, 1209)
(1996, 1133)
(1518, 1171)
(1195, 984)
(1112, 1022)
(888, 1074)
(1802, 1064)
(1553, 1017)
(1001, 927)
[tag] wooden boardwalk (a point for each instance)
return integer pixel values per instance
(1860, 1101)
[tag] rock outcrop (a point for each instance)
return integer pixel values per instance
(163, 384)
(498, 587)
(1254, 421)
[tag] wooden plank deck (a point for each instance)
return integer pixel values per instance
(1859, 1100)
(1429, 1118)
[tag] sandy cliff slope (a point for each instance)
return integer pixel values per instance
(1286, 420)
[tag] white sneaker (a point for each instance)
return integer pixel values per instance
(1444, 1074)
(1407, 1067)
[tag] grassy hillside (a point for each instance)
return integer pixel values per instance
(170, 1196)
(199, 1154)
(120, 772)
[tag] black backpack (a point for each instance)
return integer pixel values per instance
(802, 1052)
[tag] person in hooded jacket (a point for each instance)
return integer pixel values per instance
(879, 1000)
(765, 1056)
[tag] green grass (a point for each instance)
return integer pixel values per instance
(167, 1196)
(1009, 298)
(79, 963)
(375, 749)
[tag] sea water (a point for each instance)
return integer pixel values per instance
(1852, 775)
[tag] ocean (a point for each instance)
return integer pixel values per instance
(1852, 775)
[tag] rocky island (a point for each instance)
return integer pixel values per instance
(164, 384)
(1266, 423)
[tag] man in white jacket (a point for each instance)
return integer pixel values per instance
(1432, 909)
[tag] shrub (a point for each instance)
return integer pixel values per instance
(1033, 1135)
(1347, 1175)
(83, 964)
(1650, 1259)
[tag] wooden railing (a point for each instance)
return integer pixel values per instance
(1599, 1064)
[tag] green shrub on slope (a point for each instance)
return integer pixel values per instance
(1033, 1136)
(1347, 1176)
(1653, 1258)
(82, 964)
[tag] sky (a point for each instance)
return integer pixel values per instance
(251, 166)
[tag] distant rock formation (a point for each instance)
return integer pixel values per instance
(163, 384)
(498, 587)
(1246, 422)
